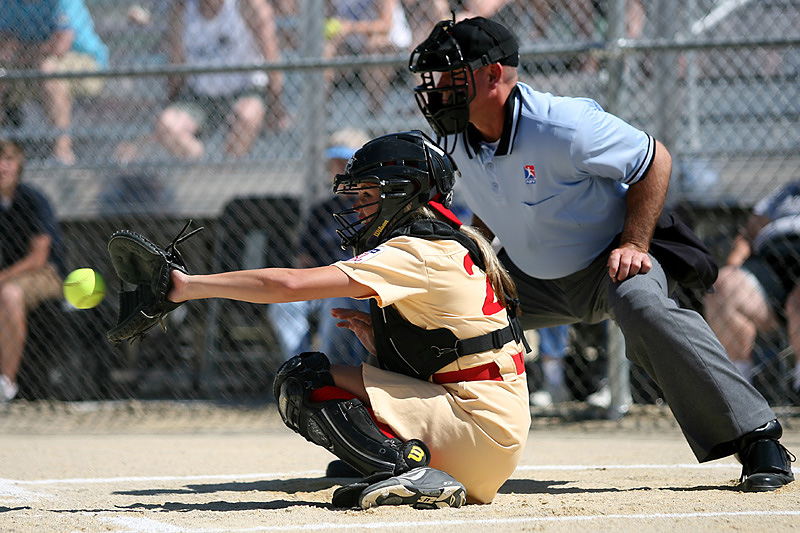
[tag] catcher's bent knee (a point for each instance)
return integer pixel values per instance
(312, 368)
(344, 427)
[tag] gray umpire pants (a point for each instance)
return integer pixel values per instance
(713, 404)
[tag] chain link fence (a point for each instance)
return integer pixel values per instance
(182, 121)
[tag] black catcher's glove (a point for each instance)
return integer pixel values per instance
(145, 265)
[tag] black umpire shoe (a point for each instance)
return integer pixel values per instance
(766, 463)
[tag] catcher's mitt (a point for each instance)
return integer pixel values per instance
(145, 265)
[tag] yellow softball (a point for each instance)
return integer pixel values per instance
(84, 288)
(332, 27)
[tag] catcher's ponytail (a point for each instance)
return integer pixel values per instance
(501, 281)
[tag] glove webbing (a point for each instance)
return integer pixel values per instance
(172, 252)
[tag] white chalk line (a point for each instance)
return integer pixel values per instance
(137, 479)
(136, 524)
(11, 492)
(307, 473)
(11, 489)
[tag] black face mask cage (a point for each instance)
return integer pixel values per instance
(432, 54)
(351, 226)
(395, 195)
(446, 108)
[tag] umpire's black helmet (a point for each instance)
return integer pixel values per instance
(408, 169)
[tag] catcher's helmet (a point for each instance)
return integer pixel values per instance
(459, 49)
(407, 169)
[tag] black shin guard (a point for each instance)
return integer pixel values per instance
(347, 429)
(343, 427)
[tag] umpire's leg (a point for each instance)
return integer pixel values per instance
(710, 399)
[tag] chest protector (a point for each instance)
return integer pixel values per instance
(417, 352)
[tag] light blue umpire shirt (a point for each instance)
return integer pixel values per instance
(552, 189)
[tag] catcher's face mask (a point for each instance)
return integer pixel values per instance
(390, 177)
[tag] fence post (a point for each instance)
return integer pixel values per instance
(618, 369)
(313, 116)
(616, 59)
(668, 120)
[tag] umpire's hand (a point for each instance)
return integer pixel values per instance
(627, 261)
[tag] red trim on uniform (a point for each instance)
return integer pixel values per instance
(385, 429)
(519, 362)
(487, 372)
(446, 213)
(330, 393)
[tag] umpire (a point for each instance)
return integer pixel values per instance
(574, 194)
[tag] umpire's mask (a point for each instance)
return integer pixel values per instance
(457, 49)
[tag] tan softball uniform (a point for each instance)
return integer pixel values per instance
(476, 430)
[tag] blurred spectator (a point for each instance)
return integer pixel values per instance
(422, 16)
(553, 346)
(536, 21)
(88, 53)
(51, 36)
(136, 192)
(591, 18)
(320, 245)
(30, 263)
(757, 291)
(510, 13)
(216, 33)
(361, 27)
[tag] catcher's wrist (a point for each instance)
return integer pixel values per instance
(177, 291)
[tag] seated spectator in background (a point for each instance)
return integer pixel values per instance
(34, 35)
(87, 54)
(358, 27)
(757, 290)
(320, 245)
(30, 263)
(221, 32)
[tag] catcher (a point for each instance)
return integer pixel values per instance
(445, 418)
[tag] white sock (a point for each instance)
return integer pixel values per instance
(745, 368)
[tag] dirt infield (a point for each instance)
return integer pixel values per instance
(171, 467)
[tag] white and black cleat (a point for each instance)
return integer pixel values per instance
(422, 488)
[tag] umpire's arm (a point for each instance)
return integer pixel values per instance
(644, 203)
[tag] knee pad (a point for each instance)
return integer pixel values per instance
(294, 381)
(344, 427)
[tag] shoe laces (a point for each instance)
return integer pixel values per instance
(792, 458)
(783, 449)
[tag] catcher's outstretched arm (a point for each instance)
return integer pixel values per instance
(268, 285)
